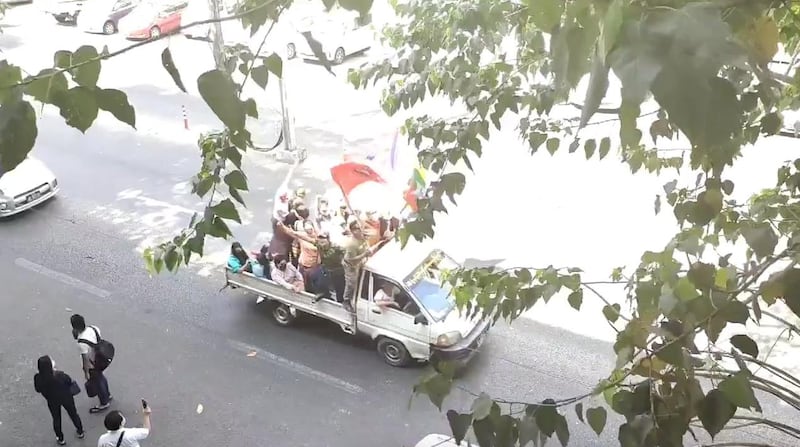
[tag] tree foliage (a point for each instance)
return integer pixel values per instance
(706, 66)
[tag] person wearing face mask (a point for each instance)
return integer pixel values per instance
(120, 436)
(287, 275)
(58, 389)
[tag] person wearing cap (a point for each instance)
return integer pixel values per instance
(356, 251)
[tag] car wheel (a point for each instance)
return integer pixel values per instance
(338, 56)
(291, 51)
(393, 352)
(155, 32)
(282, 314)
(109, 27)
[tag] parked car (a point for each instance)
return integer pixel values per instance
(103, 16)
(65, 11)
(151, 20)
(26, 186)
(341, 35)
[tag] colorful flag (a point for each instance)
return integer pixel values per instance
(350, 174)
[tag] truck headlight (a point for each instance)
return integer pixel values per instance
(448, 339)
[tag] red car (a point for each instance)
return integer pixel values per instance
(150, 21)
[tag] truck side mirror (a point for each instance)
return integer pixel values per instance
(420, 319)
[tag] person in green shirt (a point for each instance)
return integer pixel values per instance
(356, 252)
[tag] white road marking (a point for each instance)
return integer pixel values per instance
(62, 277)
(298, 367)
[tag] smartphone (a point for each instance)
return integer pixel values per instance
(144, 404)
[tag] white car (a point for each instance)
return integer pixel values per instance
(26, 186)
(340, 36)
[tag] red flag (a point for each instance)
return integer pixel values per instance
(350, 174)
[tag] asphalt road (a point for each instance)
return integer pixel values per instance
(182, 342)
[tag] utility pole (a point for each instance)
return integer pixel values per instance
(216, 39)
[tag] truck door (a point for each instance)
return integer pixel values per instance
(399, 319)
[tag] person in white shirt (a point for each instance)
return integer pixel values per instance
(287, 275)
(384, 297)
(120, 436)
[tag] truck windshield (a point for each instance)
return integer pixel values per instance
(426, 284)
(433, 297)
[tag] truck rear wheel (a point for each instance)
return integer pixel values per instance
(282, 314)
(393, 352)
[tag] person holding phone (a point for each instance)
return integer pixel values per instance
(120, 436)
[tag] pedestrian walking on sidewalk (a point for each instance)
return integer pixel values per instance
(120, 436)
(58, 389)
(88, 338)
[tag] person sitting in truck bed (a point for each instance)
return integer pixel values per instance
(238, 260)
(285, 274)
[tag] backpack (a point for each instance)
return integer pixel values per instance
(103, 351)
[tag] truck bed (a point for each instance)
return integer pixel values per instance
(302, 301)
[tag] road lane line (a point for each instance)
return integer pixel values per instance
(62, 277)
(297, 367)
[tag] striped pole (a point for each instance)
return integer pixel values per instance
(185, 118)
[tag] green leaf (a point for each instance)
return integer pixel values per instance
(635, 61)
(596, 91)
(738, 391)
(605, 146)
(612, 24)
(221, 94)
(149, 261)
(575, 299)
(172, 259)
(360, 6)
(218, 228)
(745, 344)
(546, 14)
(437, 387)
(714, 411)
(226, 209)
(169, 65)
(317, 51)
(612, 312)
(116, 103)
(579, 411)
(88, 72)
(761, 238)
(260, 75)
(589, 147)
(547, 419)
(10, 76)
(771, 123)
(536, 139)
(685, 290)
(78, 106)
(628, 436)
(236, 180)
(597, 419)
(62, 59)
(671, 353)
(528, 431)
(46, 85)
(274, 64)
(453, 184)
(18, 133)
(482, 406)
(721, 279)
(562, 430)
(552, 145)
(459, 424)
(735, 312)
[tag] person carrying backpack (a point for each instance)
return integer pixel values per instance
(96, 355)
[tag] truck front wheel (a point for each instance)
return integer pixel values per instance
(393, 352)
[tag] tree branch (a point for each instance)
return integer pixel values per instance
(787, 429)
(738, 444)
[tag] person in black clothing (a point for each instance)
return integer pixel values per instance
(56, 387)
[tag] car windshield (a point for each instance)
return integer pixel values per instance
(426, 284)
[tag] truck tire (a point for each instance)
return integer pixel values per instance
(281, 314)
(393, 352)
